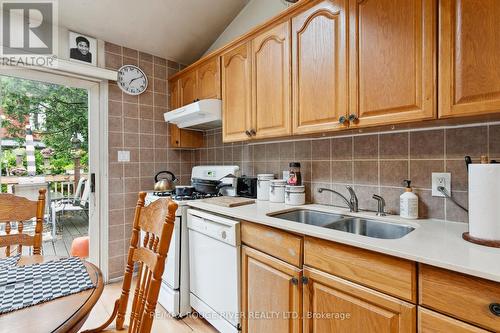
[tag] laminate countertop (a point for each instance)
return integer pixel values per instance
(434, 242)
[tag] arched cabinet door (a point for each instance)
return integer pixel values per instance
(469, 57)
(392, 61)
(207, 78)
(271, 82)
(319, 67)
(188, 88)
(236, 93)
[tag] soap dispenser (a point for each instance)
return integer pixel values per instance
(408, 202)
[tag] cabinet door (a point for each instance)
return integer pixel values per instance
(271, 294)
(319, 67)
(188, 88)
(236, 93)
(271, 82)
(208, 79)
(469, 57)
(433, 322)
(392, 61)
(332, 304)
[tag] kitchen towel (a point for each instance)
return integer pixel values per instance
(484, 201)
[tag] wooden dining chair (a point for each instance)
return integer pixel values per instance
(156, 222)
(20, 209)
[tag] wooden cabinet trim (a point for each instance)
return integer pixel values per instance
(391, 275)
(375, 301)
(294, 292)
(432, 322)
(458, 295)
(277, 243)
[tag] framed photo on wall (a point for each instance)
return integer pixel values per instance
(82, 48)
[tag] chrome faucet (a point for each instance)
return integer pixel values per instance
(380, 205)
(352, 203)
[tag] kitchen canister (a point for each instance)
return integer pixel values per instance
(263, 182)
(277, 190)
(484, 205)
(295, 195)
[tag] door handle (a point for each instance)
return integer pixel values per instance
(92, 182)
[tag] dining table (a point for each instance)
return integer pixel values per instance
(63, 314)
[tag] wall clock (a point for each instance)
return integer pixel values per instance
(132, 80)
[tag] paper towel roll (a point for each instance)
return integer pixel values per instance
(484, 201)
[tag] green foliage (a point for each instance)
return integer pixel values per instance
(56, 111)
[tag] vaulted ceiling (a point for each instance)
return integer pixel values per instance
(180, 30)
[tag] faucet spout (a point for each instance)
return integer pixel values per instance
(352, 203)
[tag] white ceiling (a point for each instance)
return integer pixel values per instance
(180, 30)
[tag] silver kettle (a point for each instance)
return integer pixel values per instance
(165, 184)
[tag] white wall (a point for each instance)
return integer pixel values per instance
(254, 13)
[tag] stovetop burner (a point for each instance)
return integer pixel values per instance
(194, 196)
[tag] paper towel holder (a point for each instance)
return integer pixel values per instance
(479, 241)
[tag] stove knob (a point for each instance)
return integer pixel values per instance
(223, 235)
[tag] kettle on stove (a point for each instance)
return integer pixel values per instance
(165, 184)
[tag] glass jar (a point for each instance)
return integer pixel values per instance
(263, 182)
(294, 176)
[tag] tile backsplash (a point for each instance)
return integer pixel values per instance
(375, 163)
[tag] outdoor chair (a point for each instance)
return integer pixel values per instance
(79, 203)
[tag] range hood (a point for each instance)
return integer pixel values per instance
(201, 115)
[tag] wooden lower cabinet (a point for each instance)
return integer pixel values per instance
(433, 322)
(332, 304)
(271, 298)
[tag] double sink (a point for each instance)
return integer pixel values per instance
(353, 225)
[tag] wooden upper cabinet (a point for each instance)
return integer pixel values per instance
(174, 98)
(368, 310)
(392, 61)
(469, 57)
(187, 88)
(236, 93)
(319, 67)
(208, 79)
(270, 286)
(271, 82)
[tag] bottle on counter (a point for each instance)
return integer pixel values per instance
(408, 202)
(294, 176)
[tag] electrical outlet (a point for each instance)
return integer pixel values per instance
(441, 179)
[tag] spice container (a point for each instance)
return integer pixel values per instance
(294, 176)
(263, 182)
(295, 195)
(277, 190)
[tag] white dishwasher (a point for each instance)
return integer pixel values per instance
(214, 269)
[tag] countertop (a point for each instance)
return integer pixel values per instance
(434, 242)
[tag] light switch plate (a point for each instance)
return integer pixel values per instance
(123, 156)
(441, 179)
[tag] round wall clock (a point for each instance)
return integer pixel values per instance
(132, 80)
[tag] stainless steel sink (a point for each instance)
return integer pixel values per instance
(306, 216)
(371, 228)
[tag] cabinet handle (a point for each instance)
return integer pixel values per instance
(342, 120)
(247, 132)
(305, 280)
(495, 309)
(252, 132)
(353, 117)
(294, 281)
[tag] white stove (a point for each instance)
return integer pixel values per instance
(174, 292)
